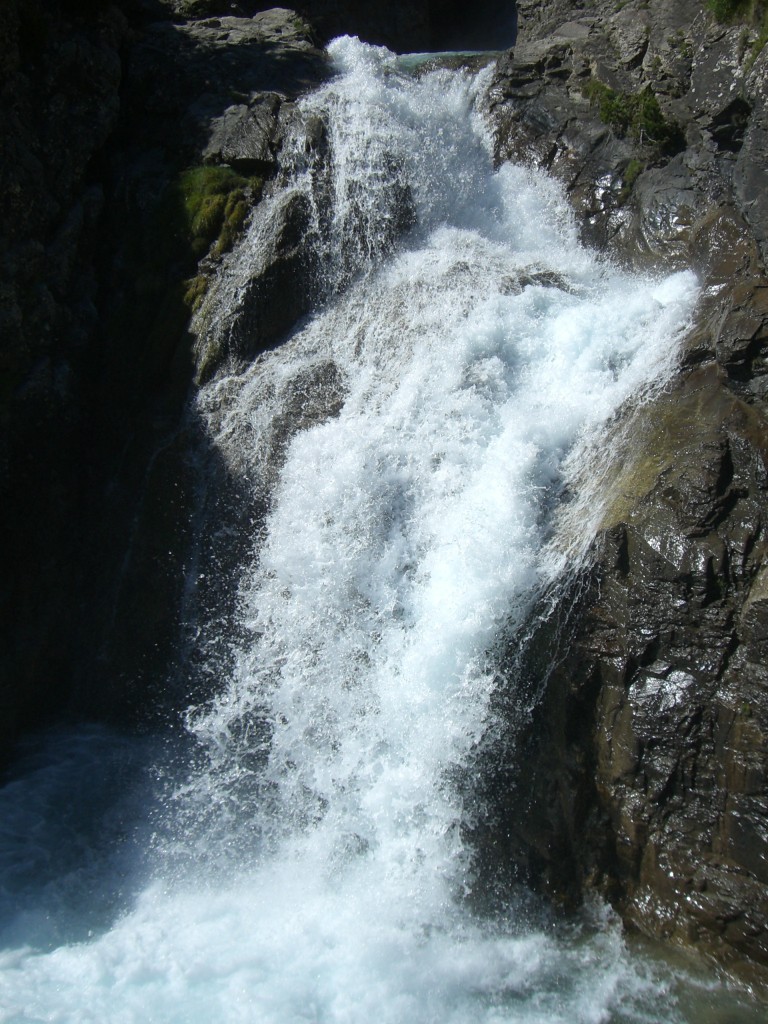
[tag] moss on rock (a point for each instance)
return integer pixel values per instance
(200, 213)
(736, 10)
(635, 114)
(194, 291)
(631, 173)
(215, 203)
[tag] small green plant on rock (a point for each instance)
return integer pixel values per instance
(678, 42)
(300, 25)
(762, 38)
(729, 10)
(215, 202)
(632, 172)
(635, 114)
(751, 13)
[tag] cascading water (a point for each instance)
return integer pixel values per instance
(312, 864)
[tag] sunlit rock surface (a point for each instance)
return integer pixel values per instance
(647, 757)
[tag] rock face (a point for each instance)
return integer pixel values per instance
(59, 86)
(111, 117)
(646, 760)
(653, 99)
(421, 25)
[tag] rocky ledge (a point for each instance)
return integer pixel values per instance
(646, 758)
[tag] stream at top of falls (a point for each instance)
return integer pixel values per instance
(308, 859)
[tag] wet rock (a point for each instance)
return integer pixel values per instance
(276, 294)
(751, 171)
(245, 136)
(184, 77)
(655, 712)
(643, 759)
(437, 25)
(700, 74)
(666, 203)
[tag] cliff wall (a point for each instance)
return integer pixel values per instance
(132, 143)
(646, 759)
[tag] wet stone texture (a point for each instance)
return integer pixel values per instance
(675, 642)
(645, 763)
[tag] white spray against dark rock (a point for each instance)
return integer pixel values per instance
(314, 865)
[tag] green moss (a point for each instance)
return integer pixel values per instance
(632, 172)
(205, 222)
(663, 438)
(635, 114)
(235, 213)
(301, 26)
(762, 39)
(730, 10)
(678, 42)
(201, 212)
(194, 292)
(751, 13)
(215, 202)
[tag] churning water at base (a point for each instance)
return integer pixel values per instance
(416, 437)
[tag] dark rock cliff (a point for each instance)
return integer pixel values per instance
(60, 77)
(646, 760)
(422, 25)
(132, 143)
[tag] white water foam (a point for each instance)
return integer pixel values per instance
(315, 867)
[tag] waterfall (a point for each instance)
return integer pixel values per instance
(411, 442)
